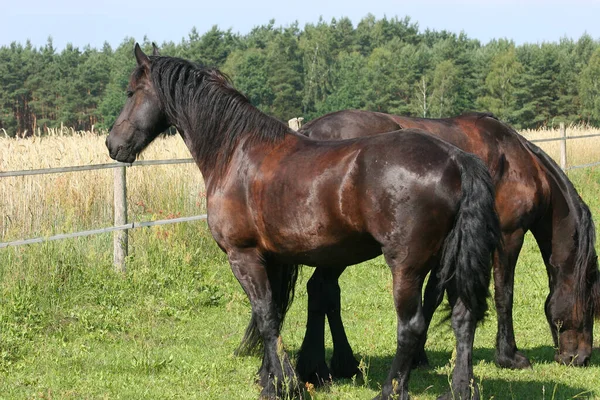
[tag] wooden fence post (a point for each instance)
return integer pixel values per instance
(120, 238)
(563, 147)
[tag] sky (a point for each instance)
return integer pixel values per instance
(93, 23)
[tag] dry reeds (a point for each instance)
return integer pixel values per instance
(579, 151)
(41, 205)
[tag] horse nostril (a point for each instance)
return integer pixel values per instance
(113, 151)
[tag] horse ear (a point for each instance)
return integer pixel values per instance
(141, 58)
(155, 50)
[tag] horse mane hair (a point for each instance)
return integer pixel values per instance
(203, 103)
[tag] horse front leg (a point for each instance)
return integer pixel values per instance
(277, 376)
(507, 354)
(310, 363)
(324, 299)
(343, 362)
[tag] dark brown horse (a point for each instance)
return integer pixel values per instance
(276, 199)
(532, 194)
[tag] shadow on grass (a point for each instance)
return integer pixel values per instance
(537, 355)
(435, 380)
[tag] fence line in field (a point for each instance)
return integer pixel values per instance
(47, 171)
(120, 196)
(131, 225)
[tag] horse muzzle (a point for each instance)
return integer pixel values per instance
(581, 359)
(120, 152)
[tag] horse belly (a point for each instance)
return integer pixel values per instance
(349, 250)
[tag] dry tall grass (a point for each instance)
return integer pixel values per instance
(579, 151)
(42, 205)
(46, 204)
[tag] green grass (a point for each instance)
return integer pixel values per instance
(71, 328)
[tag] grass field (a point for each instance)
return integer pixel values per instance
(70, 328)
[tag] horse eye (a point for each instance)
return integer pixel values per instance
(129, 93)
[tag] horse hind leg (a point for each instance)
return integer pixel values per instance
(276, 375)
(432, 298)
(463, 325)
(407, 284)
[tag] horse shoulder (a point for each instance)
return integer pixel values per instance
(229, 218)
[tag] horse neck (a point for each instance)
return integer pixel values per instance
(565, 232)
(556, 233)
(214, 144)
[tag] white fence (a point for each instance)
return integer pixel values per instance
(120, 197)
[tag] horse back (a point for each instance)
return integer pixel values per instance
(348, 124)
(521, 182)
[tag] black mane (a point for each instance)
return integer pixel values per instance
(203, 103)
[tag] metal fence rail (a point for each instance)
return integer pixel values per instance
(78, 168)
(131, 225)
(554, 139)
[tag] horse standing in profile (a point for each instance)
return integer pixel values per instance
(532, 194)
(276, 199)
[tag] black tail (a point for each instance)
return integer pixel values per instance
(282, 279)
(468, 249)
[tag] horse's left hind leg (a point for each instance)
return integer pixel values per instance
(463, 324)
(411, 326)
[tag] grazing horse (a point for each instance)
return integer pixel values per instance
(276, 199)
(532, 194)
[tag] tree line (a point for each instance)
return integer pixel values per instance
(385, 65)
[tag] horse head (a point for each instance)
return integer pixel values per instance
(142, 117)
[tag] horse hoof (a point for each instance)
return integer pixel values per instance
(317, 375)
(518, 361)
(345, 368)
